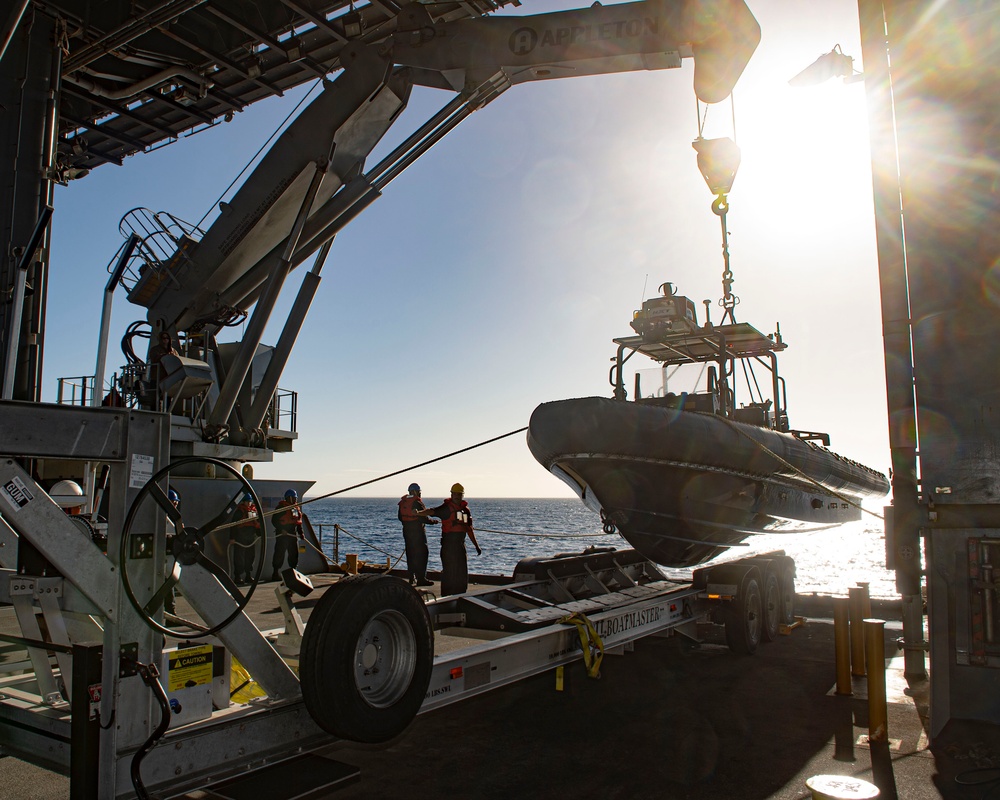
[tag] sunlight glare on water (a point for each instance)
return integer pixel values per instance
(829, 561)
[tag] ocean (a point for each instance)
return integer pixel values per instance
(829, 561)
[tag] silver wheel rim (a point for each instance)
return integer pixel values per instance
(772, 606)
(385, 659)
(754, 616)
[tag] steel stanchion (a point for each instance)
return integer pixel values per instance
(842, 643)
(856, 608)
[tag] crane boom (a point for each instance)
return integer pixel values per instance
(313, 181)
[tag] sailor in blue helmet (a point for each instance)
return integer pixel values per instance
(414, 535)
(244, 539)
(287, 522)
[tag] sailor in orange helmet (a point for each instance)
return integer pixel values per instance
(456, 524)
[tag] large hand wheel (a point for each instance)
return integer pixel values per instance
(185, 548)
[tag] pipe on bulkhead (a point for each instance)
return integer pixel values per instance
(17, 303)
(123, 93)
(102, 342)
(13, 21)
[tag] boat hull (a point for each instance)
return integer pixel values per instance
(684, 487)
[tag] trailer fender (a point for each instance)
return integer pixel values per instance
(742, 615)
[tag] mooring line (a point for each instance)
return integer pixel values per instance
(374, 480)
(544, 535)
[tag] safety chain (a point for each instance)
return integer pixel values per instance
(607, 524)
(729, 301)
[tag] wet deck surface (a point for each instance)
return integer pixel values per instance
(668, 721)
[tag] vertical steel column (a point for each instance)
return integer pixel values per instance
(857, 615)
(896, 331)
(85, 724)
(842, 644)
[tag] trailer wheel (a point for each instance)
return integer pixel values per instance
(788, 593)
(772, 605)
(366, 658)
(745, 617)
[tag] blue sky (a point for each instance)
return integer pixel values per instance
(494, 272)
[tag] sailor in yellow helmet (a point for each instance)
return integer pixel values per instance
(456, 524)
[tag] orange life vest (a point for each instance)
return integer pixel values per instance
(289, 518)
(407, 508)
(459, 520)
(248, 516)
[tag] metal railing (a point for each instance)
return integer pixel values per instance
(321, 537)
(283, 412)
(161, 236)
(78, 391)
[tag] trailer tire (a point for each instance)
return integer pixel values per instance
(372, 621)
(745, 615)
(772, 605)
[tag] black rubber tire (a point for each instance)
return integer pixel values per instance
(771, 601)
(744, 619)
(787, 580)
(361, 623)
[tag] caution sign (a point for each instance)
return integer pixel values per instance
(189, 667)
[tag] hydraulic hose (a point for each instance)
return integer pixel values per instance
(150, 676)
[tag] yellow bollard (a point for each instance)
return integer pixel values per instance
(878, 714)
(352, 563)
(842, 644)
(856, 609)
(866, 600)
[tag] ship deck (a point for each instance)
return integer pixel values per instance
(670, 719)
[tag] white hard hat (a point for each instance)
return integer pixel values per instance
(67, 494)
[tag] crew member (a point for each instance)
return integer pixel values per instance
(456, 524)
(68, 496)
(170, 601)
(287, 531)
(414, 535)
(244, 539)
